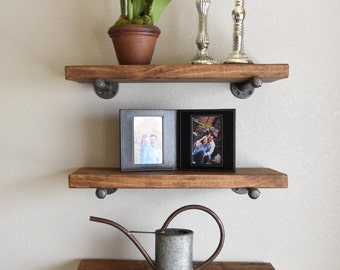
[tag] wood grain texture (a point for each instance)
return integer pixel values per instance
(143, 265)
(113, 178)
(178, 73)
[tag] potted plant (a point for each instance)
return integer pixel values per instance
(135, 33)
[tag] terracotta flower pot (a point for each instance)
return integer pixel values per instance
(134, 44)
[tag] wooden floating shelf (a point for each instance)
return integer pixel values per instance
(113, 178)
(97, 264)
(228, 73)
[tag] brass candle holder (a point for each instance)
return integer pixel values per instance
(202, 40)
(238, 55)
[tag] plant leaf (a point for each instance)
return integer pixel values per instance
(130, 9)
(157, 8)
(137, 8)
(122, 8)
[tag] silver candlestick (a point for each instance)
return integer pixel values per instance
(238, 55)
(202, 39)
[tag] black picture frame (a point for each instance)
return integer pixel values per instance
(139, 129)
(219, 125)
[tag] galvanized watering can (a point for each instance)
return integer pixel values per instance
(173, 246)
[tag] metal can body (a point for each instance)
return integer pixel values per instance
(174, 249)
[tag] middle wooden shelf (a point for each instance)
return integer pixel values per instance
(112, 178)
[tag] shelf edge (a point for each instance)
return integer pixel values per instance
(112, 178)
(107, 264)
(177, 73)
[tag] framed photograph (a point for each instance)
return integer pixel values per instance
(148, 140)
(207, 140)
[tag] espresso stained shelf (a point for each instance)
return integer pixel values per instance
(228, 73)
(97, 264)
(113, 178)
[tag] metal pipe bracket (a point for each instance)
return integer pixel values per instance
(245, 89)
(105, 89)
(253, 193)
(102, 192)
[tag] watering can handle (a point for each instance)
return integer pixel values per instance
(217, 219)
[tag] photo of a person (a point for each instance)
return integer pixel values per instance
(148, 146)
(150, 153)
(200, 150)
(144, 148)
(206, 140)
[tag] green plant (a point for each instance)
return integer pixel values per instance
(141, 11)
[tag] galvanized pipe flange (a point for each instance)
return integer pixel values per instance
(102, 192)
(245, 89)
(104, 89)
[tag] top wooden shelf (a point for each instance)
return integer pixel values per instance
(113, 178)
(229, 73)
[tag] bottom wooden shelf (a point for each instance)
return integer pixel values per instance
(101, 264)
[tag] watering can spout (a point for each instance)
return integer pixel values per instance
(129, 235)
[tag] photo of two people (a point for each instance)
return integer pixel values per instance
(148, 140)
(206, 140)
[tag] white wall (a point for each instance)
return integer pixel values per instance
(50, 127)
